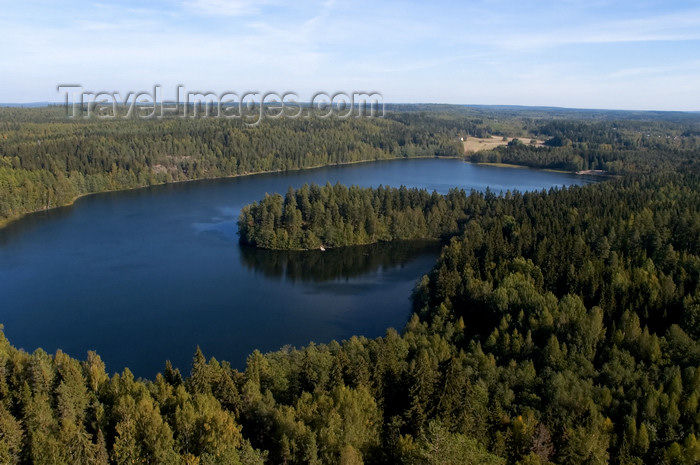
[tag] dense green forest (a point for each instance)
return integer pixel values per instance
(337, 216)
(618, 147)
(620, 142)
(560, 327)
(47, 159)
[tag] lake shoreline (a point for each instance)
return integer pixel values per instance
(514, 166)
(145, 276)
(7, 221)
(326, 248)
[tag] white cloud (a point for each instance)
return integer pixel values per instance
(480, 52)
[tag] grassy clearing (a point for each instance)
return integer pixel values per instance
(476, 144)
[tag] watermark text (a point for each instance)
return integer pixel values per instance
(250, 107)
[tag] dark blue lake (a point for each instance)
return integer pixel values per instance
(147, 275)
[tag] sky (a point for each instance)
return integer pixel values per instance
(634, 55)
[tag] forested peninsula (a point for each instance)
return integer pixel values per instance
(335, 216)
(558, 327)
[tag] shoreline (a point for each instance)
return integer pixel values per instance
(601, 173)
(327, 248)
(522, 167)
(7, 221)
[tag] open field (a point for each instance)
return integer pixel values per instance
(476, 144)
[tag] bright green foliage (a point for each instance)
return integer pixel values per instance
(441, 447)
(56, 410)
(11, 436)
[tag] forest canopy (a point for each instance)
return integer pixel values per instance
(337, 216)
(48, 159)
(558, 327)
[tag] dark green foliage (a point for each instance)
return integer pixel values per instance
(47, 159)
(558, 327)
(617, 146)
(337, 216)
(574, 306)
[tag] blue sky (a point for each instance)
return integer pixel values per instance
(586, 54)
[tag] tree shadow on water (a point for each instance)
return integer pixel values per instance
(333, 264)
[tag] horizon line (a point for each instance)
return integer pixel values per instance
(38, 104)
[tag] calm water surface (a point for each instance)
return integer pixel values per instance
(147, 275)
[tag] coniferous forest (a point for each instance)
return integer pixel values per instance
(337, 216)
(47, 159)
(558, 327)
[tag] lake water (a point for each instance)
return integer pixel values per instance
(147, 275)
